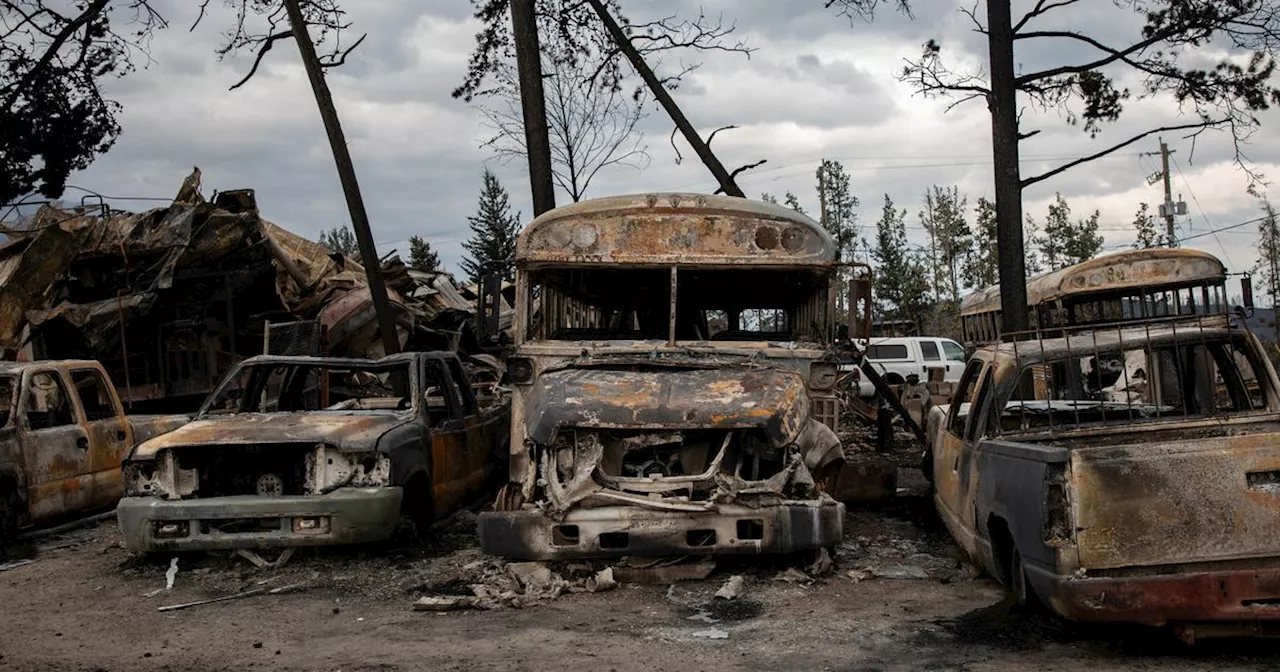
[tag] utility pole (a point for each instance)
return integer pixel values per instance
(347, 176)
(1003, 102)
(663, 96)
(1168, 209)
(533, 104)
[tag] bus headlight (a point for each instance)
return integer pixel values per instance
(822, 375)
(520, 370)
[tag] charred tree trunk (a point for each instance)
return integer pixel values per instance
(533, 104)
(347, 176)
(1008, 180)
(727, 183)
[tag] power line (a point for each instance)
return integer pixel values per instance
(1195, 200)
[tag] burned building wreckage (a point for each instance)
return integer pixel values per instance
(170, 299)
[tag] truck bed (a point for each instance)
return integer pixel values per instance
(1184, 493)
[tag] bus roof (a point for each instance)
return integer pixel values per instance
(1151, 269)
(664, 229)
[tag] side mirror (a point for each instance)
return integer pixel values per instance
(489, 308)
(1246, 291)
(860, 303)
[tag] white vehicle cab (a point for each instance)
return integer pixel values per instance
(898, 357)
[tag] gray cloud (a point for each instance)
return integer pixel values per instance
(818, 86)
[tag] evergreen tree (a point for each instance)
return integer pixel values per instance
(839, 218)
(1065, 242)
(421, 256)
(1150, 233)
(1268, 266)
(492, 246)
(1085, 242)
(952, 239)
(790, 200)
(341, 240)
(983, 270)
(900, 279)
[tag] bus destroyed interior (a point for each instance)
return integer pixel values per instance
(673, 382)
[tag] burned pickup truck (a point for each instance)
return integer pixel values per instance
(63, 433)
(305, 451)
(673, 376)
(1126, 473)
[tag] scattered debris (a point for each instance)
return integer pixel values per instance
(705, 617)
(662, 571)
(171, 574)
(235, 596)
(445, 603)
(731, 588)
(822, 564)
(14, 565)
(602, 581)
(793, 575)
(261, 563)
(900, 572)
(859, 575)
(712, 633)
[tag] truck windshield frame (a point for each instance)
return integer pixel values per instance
(1127, 375)
(320, 386)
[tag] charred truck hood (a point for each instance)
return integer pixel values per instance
(347, 432)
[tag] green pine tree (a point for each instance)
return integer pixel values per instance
(901, 284)
(421, 256)
(1066, 242)
(1149, 232)
(340, 239)
(492, 246)
(790, 200)
(983, 269)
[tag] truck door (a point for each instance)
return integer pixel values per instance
(932, 357)
(109, 433)
(56, 446)
(955, 479)
(448, 437)
(479, 432)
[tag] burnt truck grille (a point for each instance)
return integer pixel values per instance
(224, 471)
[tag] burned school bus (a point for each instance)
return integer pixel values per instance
(673, 381)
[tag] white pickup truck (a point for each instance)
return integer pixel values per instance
(898, 357)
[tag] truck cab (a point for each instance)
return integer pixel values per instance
(1127, 473)
(63, 434)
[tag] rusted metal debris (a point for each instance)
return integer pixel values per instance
(169, 299)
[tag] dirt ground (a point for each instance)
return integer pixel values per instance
(87, 604)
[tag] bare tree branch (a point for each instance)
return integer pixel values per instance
(1042, 7)
(742, 169)
(1203, 125)
(262, 51)
(722, 128)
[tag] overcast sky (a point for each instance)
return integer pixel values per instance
(817, 86)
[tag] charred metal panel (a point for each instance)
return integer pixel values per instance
(719, 398)
(1178, 501)
(675, 228)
